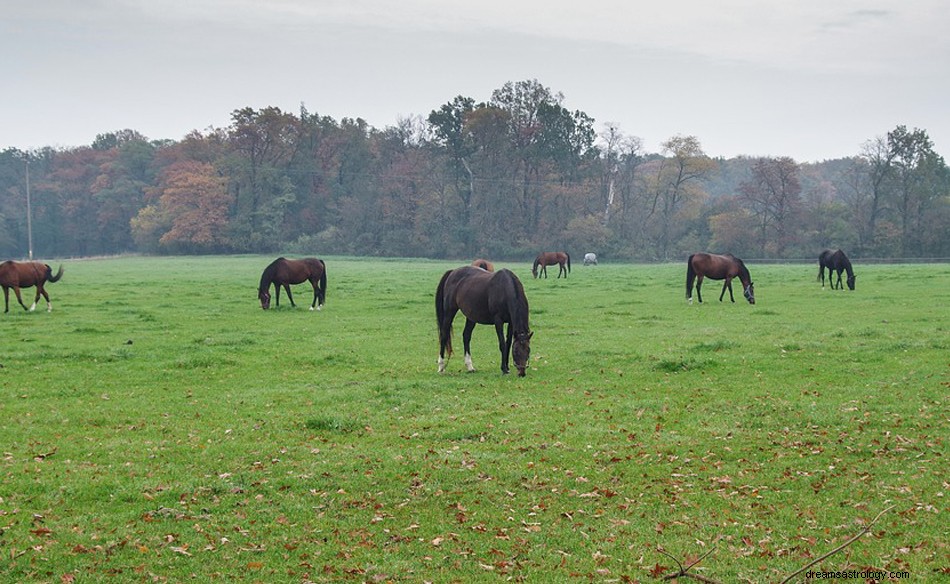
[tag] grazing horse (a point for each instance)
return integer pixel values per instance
(835, 261)
(284, 272)
(590, 259)
(549, 258)
(18, 275)
(484, 264)
(718, 267)
(484, 298)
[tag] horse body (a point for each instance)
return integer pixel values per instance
(284, 272)
(18, 275)
(484, 298)
(484, 264)
(717, 267)
(835, 261)
(549, 258)
(590, 259)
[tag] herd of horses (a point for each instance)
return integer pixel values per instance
(481, 294)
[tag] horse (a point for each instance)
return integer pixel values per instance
(718, 267)
(549, 258)
(484, 298)
(590, 259)
(835, 261)
(18, 275)
(484, 264)
(284, 272)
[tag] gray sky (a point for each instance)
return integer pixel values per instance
(810, 79)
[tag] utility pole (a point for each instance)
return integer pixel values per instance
(29, 214)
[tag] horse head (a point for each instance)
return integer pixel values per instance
(851, 282)
(749, 293)
(521, 350)
(264, 296)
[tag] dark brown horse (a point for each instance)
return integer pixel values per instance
(18, 275)
(484, 264)
(835, 261)
(284, 272)
(718, 267)
(484, 298)
(549, 258)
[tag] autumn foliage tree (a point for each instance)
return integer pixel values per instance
(193, 201)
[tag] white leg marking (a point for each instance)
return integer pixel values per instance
(468, 362)
(311, 309)
(441, 365)
(319, 307)
(33, 307)
(689, 300)
(49, 307)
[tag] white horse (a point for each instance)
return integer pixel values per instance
(590, 258)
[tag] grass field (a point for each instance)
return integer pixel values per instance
(159, 426)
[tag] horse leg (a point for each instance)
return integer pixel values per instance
(42, 290)
(467, 342)
(699, 285)
(727, 284)
(6, 299)
(290, 295)
(16, 290)
(445, 336)
(314, 284)
(561, 270)
(504, 345)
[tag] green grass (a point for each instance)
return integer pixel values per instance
(159, 426)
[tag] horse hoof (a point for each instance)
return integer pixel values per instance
(311, 309)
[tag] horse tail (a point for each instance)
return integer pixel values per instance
(322, 292)
(49, 274)
(445, 336)
(568, 262)
(690, 277)
(534, 268)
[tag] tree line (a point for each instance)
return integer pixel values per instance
(504, 179)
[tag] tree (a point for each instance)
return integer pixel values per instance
(194, 200)
(264, 143)
(774, 196)
(449, 123)
(675, 186)
(915, 166)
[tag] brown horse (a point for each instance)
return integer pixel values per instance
(18, 275)
(284, 272)
(484, 298)
(718, 267)
(549, 258)
(484, 264)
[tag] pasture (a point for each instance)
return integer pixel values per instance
(159, 426)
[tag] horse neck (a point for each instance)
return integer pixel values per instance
(517, 304)
(266, 278)
(744, 276)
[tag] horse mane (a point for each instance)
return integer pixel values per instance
(846, 263)
(517, 300)
(743, 271)
(268, 276)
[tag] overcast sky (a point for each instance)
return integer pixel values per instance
(810, 79)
